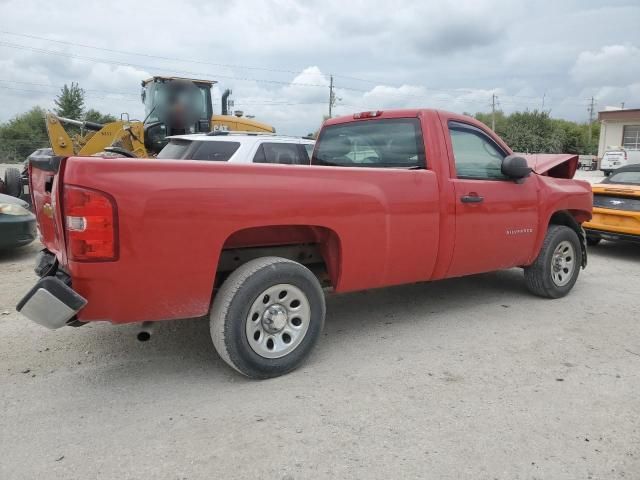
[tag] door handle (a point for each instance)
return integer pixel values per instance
(473, 198)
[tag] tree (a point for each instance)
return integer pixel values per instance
(536, 132)
(22, 135)
(95, 116)
(70, 102)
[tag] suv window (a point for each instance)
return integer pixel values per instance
(214, 151)
(175, 149)
(309, 149)
(286, 153)
(475, 154)
(388, 143)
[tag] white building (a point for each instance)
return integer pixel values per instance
(620, 128)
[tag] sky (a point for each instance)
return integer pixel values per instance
(277, 55)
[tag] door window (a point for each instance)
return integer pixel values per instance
(475, 154)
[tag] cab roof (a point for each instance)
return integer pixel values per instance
(160, 77)
(235, 136)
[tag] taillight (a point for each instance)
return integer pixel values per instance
(372, 114)
(90, 224)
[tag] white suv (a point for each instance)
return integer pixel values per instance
(239, 147)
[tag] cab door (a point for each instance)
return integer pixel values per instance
(496, 217)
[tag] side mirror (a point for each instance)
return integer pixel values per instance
(516, 167)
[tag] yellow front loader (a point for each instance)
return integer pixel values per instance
(122, 137)
(173, 106)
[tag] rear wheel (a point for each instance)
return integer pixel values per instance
(555, 271)
(267, 317)
(13, 182)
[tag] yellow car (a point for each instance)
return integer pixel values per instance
(616, 207)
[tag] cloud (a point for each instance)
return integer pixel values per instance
(277, 55)
(611, 65)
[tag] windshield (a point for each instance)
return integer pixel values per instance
(158, 96)
(373, 143)
(630, 178)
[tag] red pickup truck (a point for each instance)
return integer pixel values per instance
(391, 197)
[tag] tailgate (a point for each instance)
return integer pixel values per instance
(45, 178)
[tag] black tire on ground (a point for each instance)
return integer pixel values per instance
(238, 313)
(592, 241)
(542, 276)
(13, 182)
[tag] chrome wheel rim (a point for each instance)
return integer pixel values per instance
(563, 263)
(278, 320)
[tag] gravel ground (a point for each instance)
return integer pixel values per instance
(468, 378)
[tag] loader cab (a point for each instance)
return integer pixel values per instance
(175, 106)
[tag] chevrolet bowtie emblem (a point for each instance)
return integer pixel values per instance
(47, 209)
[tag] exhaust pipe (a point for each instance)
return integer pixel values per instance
(225, 101)
(145, 332)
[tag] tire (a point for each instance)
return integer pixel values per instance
(251, 335)
(547, 276)
(13, 182)
(593, 241)
(606, 172)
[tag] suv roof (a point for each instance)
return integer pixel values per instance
(238, 136)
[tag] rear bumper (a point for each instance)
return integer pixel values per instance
(591, 232)
(51, 303)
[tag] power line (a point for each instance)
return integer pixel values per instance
(224, 65)
(148, 55)
(152, 68)
(258, 80)
(48, 85)
(95, 97)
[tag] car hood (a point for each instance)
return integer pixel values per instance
(9, 199)
(561, 165)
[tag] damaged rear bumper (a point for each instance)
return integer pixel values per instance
(52, 302)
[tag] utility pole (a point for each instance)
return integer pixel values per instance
(591, 109)
(622, 106)
(494, 97)
(332, 96)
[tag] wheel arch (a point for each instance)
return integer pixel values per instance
(573, 219)
(318, 247)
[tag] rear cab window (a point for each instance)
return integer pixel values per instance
(380, 143)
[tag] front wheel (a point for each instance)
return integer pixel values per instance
(555, 271)
(267, 317)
